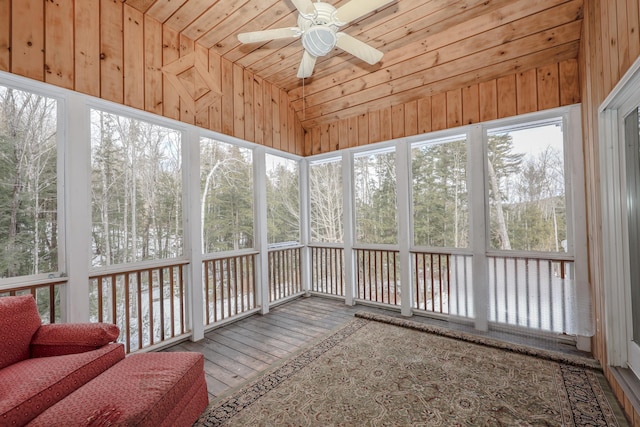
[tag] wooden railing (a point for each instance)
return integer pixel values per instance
(531, 292)
(432, 279)
(442, 283)
(147, 304)
(284, 273)
(47, 296)
(229, 287)
(327, 270)
(378, 276)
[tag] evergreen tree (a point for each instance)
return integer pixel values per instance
(283, 202)
(440, 207)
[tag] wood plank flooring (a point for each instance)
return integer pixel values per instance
(239, 351)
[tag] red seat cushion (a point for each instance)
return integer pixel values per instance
(19, 320)
(29, 387)
(142, 390)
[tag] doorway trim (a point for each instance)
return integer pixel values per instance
(615, 241)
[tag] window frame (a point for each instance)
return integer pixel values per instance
(301, 220)
(246, 146)
(330, 158)
(58, 95)
(529, 121)
(382, 148)
(130, 113)
(436, 138)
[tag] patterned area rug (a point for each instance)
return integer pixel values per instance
(381, 374)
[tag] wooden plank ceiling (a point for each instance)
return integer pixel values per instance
(430, 46)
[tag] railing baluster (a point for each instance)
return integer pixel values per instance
(127, 314)
(100, 308)
(139, 297)
(448, 258)
(207, 290)
(173, 308)
(505, 263)
(161, 283)
(562, 294)
(214, 276)
(150, 287)
(360, 273)
(551, 310)
(517, 290)
(526, 282)
(52, 304)
(182, 302)
(424, 281)
(235, 284)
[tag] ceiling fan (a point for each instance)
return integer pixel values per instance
(318, 25)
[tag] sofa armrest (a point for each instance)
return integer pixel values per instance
(70, 338)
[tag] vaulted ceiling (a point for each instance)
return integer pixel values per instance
(429, 46)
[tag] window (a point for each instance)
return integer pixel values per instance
(283, 200)
(29, 223)
(439, 193)
(325, 191)
(226, 192)
(136, 170)
(375, 197)
(525, 175)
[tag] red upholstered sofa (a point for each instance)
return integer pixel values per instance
(74, 374)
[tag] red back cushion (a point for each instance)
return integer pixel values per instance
(19, 320)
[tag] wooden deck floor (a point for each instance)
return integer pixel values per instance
(236, 352)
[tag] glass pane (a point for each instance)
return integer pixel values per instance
(283, 200)
(136, 172)
(632, 159)
(226, 192)
(439, 194)
(375, 198)
(525, 173)
(28, 184)
(325, 182)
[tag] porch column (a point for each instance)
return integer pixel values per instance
(305, 252)
(403, 165)
(347, 218)
(478, 232)
(579, 223)
(195, 297)
(262, 259)
(78, 217)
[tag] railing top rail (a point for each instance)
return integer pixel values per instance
(385, 248)
(13, 282)
(230, 254)
(542, 256)
(16, 287)
(284, 248)
(440, 251)
(130, 268)
(326, 245)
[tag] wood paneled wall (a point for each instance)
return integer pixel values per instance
(524, 92)
(610, 44)
(110, 50)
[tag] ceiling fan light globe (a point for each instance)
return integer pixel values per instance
(319, 40)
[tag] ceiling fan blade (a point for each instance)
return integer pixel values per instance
(303, 6)
(266, 35)
(359, 49)
(306, 65)
(357, 8)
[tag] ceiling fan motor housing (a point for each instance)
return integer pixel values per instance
(319, 30)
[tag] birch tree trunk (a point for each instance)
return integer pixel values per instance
(497, 198)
